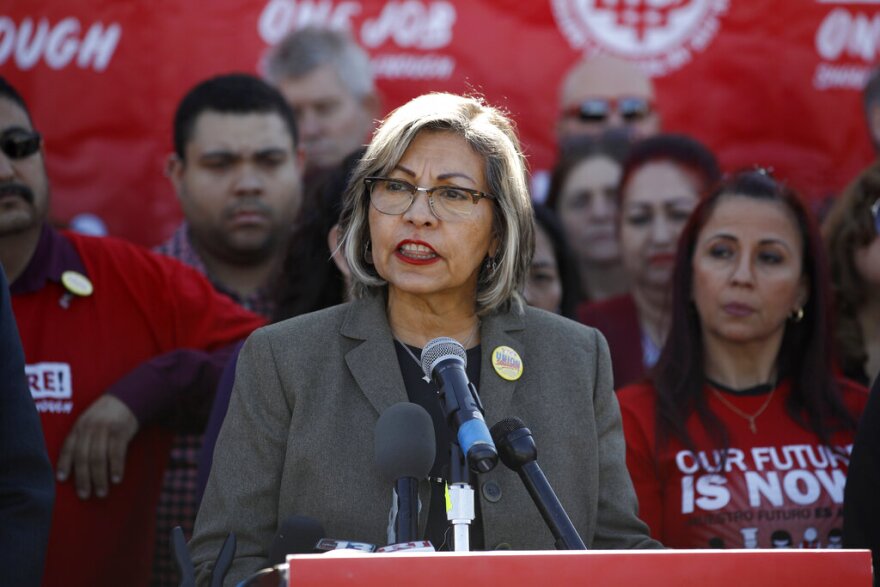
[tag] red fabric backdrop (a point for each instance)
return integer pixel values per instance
(771, 83)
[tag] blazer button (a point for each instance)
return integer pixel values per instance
(502, 546)
(491, 491)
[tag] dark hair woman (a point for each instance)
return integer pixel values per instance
(308, 280)
(583, 194)
(552, 283)
(852, 232)
(663, 179)
(739, 439)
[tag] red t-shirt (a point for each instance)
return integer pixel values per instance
(780, 487)
(143, 305)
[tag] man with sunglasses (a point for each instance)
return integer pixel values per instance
(605, 94)
(91, 312)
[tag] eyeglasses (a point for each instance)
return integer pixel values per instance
(630, 109)
(17, 143)
(448, 202)
(875, 212)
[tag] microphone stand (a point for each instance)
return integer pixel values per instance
(456, 401)
(461, 496)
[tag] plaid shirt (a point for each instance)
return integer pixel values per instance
(177, 504)
(180, 247)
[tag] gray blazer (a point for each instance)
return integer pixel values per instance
(298, 437)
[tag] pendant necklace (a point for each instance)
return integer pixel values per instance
(749, 417)
(465, 344)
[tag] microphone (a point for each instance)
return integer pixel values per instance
(182, 559)
(417, 546)
(331, 544)
(296, 535)
(519, 453)
(224, 561)
(405, 448)
(445, 360)
(328, 544)
(184, 562)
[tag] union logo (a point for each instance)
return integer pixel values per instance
(662, 35)
(507, 363)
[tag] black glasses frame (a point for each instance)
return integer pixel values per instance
(476, 195)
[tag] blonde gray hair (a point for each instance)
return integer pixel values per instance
(304, 50)
(491, 134)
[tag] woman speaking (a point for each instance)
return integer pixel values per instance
(437, 230)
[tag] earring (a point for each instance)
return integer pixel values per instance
(368, 252)
(490, 264)
(797, 315)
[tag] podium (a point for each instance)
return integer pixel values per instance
(657, 568)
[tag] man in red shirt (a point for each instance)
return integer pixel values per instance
(91, 311)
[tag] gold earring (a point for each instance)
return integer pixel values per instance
(797, 315)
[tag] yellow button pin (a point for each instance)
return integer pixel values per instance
(507, 363)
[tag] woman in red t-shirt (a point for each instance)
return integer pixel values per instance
(742, 437)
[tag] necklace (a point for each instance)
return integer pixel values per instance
(750, 417)
(465, 344)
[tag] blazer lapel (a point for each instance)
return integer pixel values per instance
(496, 393)
(373, 363)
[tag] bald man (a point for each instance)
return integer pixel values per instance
(604, 93)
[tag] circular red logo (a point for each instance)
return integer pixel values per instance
(662, 34)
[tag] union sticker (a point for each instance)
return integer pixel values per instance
(507, 363)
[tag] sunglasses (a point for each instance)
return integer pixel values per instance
(630, 109)
(18, 144)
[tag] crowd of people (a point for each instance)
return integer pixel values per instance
(695, 346)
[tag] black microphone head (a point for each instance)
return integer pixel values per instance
(405, 443)
(515, 443)
(296, 535)
(506, 426)
(438, 349)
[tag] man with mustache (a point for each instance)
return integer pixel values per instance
(236, 168)
(93, 312)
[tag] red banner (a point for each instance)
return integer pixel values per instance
(777, 87)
